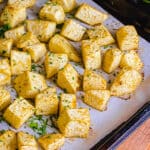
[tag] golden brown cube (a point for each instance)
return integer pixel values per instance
(111, 60)
(101, 35)
(18, 112)
(91, 54)
(97, 99)
(44, 30)
(131, 59)
(21, 3)
(127, 38)
(5, 47)
(54, 63)
(46, 102)
(26, 141)
(125, 82)
(53, 12)
(90, 15)
(15, 33)
(68, 79)
(73, 30)
(74, 122)
(93, 81)
(67, 101)
(5, 72)
(37, 51)
(8, 140)
(51, 141)
(20, 62)
(29, 84)
(5, 98)
(68, 5)
(27, 39)
(59, 44)
(13, 16)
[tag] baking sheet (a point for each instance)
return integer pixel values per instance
(118, 110)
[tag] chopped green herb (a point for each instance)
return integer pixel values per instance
(33, 67)
(3, 29)
(146, 1)
(1, 119)
(106, 46)
(72, 78)
(3, 52)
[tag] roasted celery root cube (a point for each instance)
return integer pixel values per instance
(18, 112)
(68, 79)
(59, 44)
(37, 51)
(8, 140)
(54, 63)
(131, 59)
(91, 54)
(73, 30)
(101, 35)
(44, 30)
(13, 16)
(5, 72)
(29, 84)
(46, 102)
(5, 98)
(20, 62)
(21, 3)
(111, 60)
(53, 12)
(27, 39)
(68, 5)
(51, 141)
(67, 101)
(93, 81)
(90, 15)
(74, 122)
(26, 141)
(127, 38)
(125, 82)
(97, 99)
(15, 33)
(5, 47)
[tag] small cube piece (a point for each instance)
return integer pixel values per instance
(73, 30)
(127, 38)
(46, 102)
(8, 140)
(5, 47)
(111, 60)
(5, 72)
(74, 122)
(18, 112)
(68, 79)
(93, 81)
(67, 101)
(13, 16)
(59, 44)
(51, 141)
(29, 84)
(37, 51)
(101, 35)
(131, 59)
(15, 33)
(91, 54)
(20, 62)
(54, 63)
(21, 3)
(27, 39)
(26, 141)
(68, 5)
(125, 82)
(97, 99)
(5, 98)
(44, 30)
(90, 15)
(52, 12)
